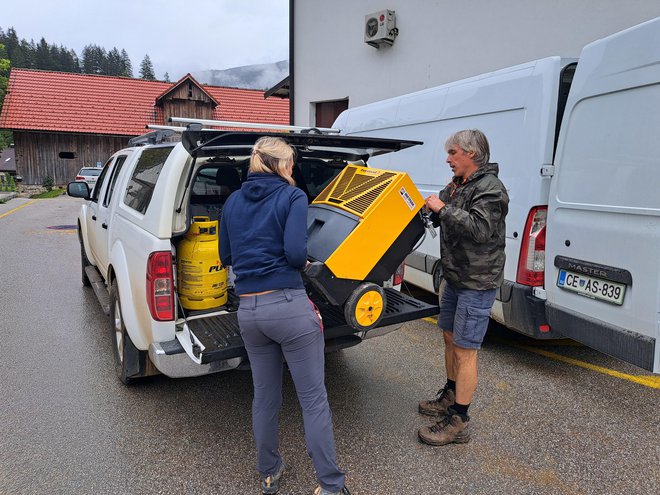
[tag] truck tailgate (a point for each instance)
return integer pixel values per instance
(219, 336)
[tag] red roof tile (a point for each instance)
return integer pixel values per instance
(64, 102)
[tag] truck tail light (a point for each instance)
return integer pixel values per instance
(398, 274)
(160, 285)
(531, 264)
(79, 177)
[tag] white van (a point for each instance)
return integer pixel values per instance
(578, 148)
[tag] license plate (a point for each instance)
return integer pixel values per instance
(595, 288)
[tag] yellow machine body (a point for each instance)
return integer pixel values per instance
(385, 203)
(202, 280)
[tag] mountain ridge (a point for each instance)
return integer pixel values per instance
(256, 76)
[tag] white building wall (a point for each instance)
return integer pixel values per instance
(439, 41)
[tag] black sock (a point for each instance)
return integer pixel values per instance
(451, 384)
(461, 410)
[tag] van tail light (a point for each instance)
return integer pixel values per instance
(79, 177)
(531, 264)
(160, 285)
(397, 279)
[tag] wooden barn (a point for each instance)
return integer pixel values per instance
(62, 122)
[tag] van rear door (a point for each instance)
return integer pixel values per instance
(603, 235)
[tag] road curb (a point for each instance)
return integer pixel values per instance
(6, 196)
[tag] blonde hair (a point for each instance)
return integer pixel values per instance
(272, 155)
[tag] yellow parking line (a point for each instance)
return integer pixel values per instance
(17, 208)
(645, 380)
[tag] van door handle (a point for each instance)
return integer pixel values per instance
(104, 225)
(94, 217)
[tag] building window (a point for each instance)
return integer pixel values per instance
(328, 111)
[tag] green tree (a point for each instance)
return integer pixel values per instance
(94, 60)
(115, 63)
(4, 73)
(5, 136)
(147, 69)
(68, 60)
(42, 56)
(14, 48)
(127, 66)
(29, 51)
(166, 77)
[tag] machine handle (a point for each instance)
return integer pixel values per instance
(427, 222)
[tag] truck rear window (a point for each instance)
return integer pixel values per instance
(143, 181)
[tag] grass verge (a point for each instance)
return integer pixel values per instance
(53, 193)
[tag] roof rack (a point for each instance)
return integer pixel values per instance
(252, 125)
(175, 128)
(155, 137)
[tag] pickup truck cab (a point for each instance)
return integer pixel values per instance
(134, 219)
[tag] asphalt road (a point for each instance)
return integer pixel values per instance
(540, 425)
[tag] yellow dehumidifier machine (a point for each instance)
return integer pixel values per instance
(360, 228)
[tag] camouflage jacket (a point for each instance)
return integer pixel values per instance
(472, 230)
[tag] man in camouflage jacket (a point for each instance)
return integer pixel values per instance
(470, 211)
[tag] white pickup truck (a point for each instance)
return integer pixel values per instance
(138, 213)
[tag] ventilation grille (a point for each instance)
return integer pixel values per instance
(355, 191)
(361, 203)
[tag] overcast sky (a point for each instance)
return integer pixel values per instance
(179, 36)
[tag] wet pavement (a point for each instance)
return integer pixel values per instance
(540, 425)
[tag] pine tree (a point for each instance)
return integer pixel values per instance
(68, 60)
(94, 60)
(29, 50)
(127, 66)
(14, 48)
(166, 77)
(42, 55)
(147, 69)
(114, 65)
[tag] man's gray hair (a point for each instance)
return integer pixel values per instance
(471, 140)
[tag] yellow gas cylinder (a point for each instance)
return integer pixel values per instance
(201, 277)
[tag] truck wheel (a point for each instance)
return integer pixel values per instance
(365, 306)
(130, 362)
(85, 263)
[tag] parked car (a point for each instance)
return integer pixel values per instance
(89, 175)
(132, 233)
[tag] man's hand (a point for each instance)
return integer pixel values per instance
(434, 204)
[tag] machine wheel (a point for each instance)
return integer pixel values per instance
(129, 360)
(85, 263)
(365, 306)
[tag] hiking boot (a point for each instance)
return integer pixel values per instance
(438, 406)
(452, 429)
(322, 491)
(271, 483)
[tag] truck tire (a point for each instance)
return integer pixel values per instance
(365, 307)
(130, 362)
(84, 261)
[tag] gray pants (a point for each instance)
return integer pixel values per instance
(283, 325)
